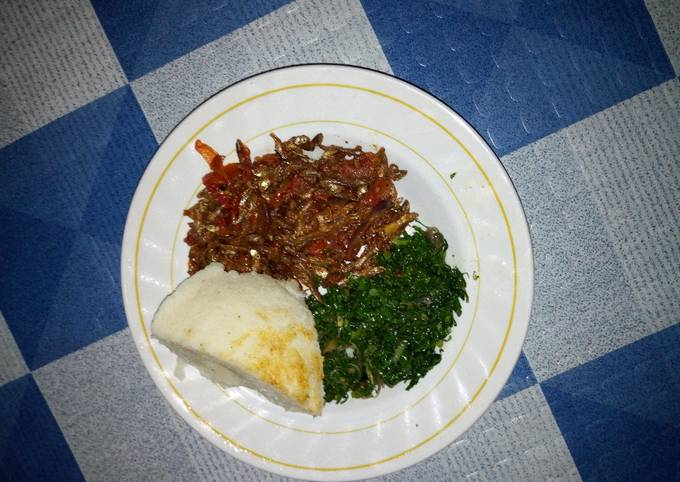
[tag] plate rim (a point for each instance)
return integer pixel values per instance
(527, 258)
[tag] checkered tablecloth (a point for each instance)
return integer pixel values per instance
(580, 99)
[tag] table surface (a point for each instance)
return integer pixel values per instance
(580, 99)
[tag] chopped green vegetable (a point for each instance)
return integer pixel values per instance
(391, 327)
(452, 175)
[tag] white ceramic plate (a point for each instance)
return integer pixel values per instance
(477, 210)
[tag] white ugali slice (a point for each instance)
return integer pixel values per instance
(246, 329)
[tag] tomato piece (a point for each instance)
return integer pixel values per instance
(213, 179)
(316, 247)
(208, 153)
(377, 191)
(223, 223)
(364, 167)
(231, 172)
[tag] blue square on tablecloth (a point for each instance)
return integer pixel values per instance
(520, 70)
(619, 413)
(32, 446)
(522, 377)
(130, 145)
(33, 256)
(59, 288)
(48, 174)
(147, 34)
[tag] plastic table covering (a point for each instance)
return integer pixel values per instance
(580, 100)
